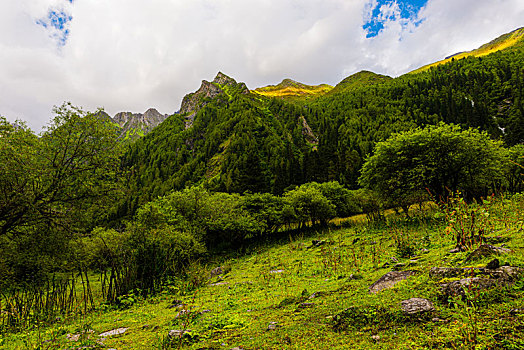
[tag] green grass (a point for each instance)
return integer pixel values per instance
(269, 282)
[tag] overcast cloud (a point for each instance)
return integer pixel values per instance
(133, 54)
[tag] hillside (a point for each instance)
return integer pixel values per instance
(291, 90)
(234, 140)
(358, 80)
(319, 290)
(225, 136)
(505, 41)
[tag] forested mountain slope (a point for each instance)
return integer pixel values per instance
(235, 140)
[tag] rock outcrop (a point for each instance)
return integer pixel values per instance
(135, 125)
(193, 102)
(389, 280)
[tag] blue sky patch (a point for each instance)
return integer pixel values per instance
(376, 17)
(57, 23)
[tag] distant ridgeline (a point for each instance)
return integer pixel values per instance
(265, 140)
(135, 125)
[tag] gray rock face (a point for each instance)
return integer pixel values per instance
(415, 306)
(456, 288)
(389, 280)
(138, 123)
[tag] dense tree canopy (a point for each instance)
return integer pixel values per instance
(436, 159)
(54, 185)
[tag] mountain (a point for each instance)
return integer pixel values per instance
(292, 90)
(135, 125)
(225, 137)
(193, 102)
(504, 41)
(230, 139)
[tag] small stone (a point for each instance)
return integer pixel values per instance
(177, 333)
(415, 306)
(314, 295)
(272, 326)
(394, 259)
(454, 250)
(276, 271)
(375, 337)
(436, 319)
(424, 250)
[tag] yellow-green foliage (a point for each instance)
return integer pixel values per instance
(292, 89)
(503, 42)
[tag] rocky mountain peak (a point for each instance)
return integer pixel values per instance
(138, 124)
(195, 101)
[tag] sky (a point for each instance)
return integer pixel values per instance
(130, 55)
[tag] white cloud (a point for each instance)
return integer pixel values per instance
(133, 54)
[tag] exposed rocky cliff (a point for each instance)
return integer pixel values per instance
(193, 102)
(135, 125)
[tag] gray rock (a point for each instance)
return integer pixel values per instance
(116, 331)
(457, 288)
(416, 306)
(177, 333)
(272, 326)
(389, 280)
(486, 250)
(276, 271)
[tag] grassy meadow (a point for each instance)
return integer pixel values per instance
(310, 290)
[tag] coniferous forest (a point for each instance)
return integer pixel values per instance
(256, 221)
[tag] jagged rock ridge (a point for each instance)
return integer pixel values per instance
(135, 125)
(193, 102)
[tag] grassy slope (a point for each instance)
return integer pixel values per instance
(269, 283)
(503, 42)
(292, 90)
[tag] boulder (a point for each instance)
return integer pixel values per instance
(416, 306)
(389, 280)
(457, 288)
(486, 250)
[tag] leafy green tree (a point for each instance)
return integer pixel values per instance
(307, 204)
(54, 186)
(437, 159)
